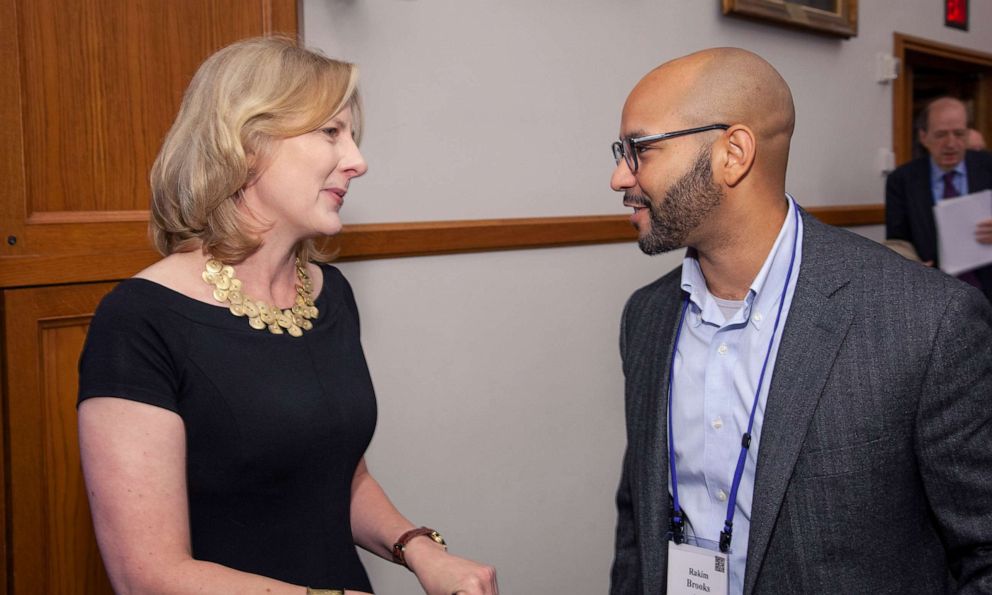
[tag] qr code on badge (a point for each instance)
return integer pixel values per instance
(720, 564)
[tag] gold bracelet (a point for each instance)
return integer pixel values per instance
(324, 591)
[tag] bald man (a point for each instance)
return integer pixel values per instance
(950, 170)
(975, 140)
(807, 412)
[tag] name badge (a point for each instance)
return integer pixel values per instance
(694, 570)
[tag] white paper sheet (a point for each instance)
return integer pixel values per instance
(956, 219)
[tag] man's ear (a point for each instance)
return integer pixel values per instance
(737, 155)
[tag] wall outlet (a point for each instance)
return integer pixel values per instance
(885, 161)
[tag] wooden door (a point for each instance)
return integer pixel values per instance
(51, 548)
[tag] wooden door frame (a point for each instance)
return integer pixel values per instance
(902, 89)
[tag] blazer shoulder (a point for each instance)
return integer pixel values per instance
(917, 166)
(983, 158)
(978, 161)
(824, 242)
(878, 268)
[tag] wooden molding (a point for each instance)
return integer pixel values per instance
(944, 50)
(445, 237)
(394, 240)
(56, 217)
(850, 215)
(389, 240)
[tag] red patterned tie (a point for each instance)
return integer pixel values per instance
(950, 191)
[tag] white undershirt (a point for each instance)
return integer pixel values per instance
(728, 307)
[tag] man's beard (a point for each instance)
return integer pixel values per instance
(686, 205)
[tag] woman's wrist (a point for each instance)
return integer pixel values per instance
(421, 550)
(417, 544)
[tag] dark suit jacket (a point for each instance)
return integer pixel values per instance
(874, 471)
(909, 205)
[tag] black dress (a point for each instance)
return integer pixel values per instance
(275, 425)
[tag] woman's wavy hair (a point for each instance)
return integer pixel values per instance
(240, 99)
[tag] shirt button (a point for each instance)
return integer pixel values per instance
(717, 423)
(721, 495)
(722, 349)
(757, 317)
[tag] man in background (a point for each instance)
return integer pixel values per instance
(950, 170)
(811, 410)
(975, 141)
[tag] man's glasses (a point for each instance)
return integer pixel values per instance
(626, 148)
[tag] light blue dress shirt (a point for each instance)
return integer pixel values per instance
(717, 366)
(937, 180)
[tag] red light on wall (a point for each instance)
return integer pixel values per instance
(956, 14)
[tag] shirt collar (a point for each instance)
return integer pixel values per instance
(936, 174)
(771, 275)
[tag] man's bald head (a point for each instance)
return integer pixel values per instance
(945, 131)
(720, 85)
(717, 191)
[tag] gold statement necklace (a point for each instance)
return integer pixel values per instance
(227, 290)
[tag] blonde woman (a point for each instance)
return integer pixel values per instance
(225, 403)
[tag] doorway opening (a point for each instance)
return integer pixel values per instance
(930, 70)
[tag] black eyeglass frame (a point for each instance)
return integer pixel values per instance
(620, 147)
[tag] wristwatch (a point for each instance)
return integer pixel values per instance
(399, 548)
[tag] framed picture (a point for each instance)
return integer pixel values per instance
(831, 17)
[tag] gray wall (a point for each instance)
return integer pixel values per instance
(497, 374)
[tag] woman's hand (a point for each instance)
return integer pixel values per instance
(441, 573)
(376, 525)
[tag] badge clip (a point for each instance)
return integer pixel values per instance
(725, 536)
(678, 528)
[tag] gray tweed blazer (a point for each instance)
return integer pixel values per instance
(874, 472)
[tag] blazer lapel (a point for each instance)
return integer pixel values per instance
(920, 203)
(657, 335)
(819, 318)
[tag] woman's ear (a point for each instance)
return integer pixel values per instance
(251, 160)
(737, 155)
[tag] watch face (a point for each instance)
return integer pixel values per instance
(438, 538)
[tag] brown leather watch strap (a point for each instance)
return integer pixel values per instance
(399, 548)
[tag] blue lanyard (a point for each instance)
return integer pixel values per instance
(678, 521)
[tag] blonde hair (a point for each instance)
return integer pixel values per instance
(240, 99)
